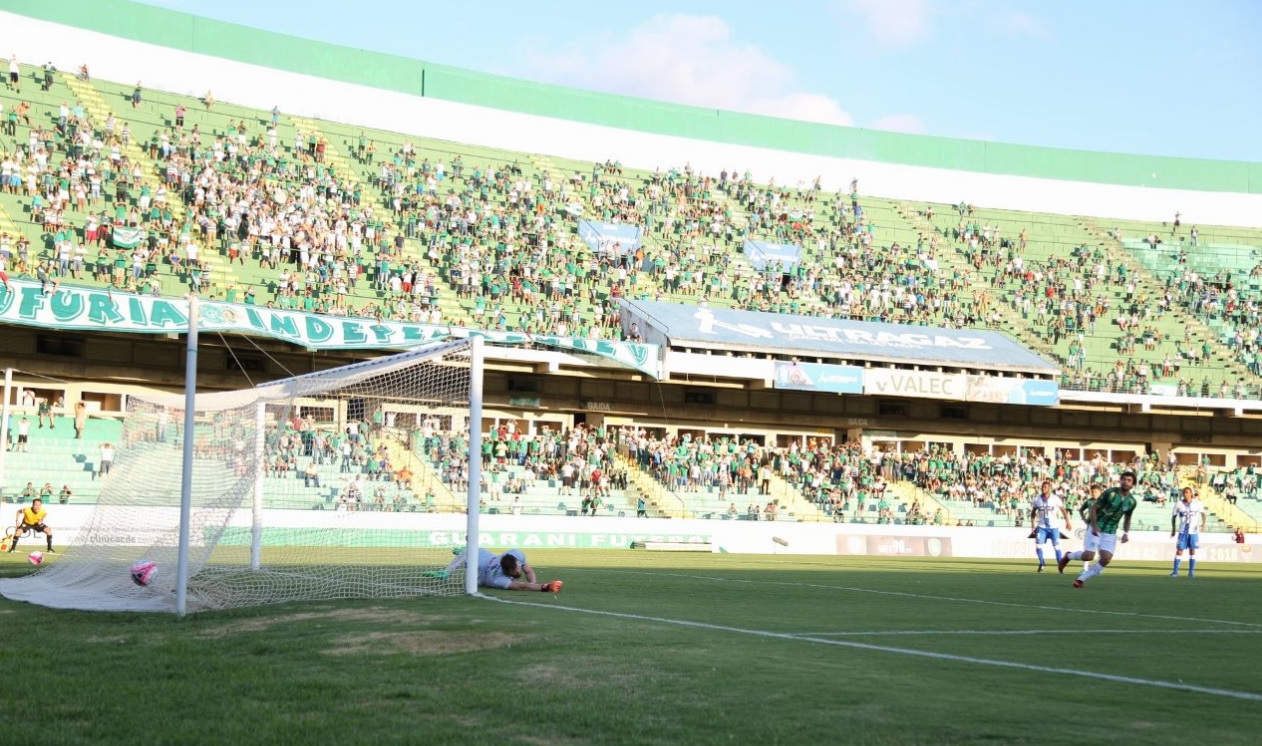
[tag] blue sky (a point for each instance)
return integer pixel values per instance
(1160, 77)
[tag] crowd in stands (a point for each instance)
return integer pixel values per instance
(1226, 299)
(505, 239)
(496, 234)
(1239, 482)
(353, 466)
(388, 236)
(733, 469)
(848, 483)
(367, 478)
(1088, 294)
(580, 461)
(838, 480)
(1006, 484)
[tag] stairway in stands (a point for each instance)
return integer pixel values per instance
(662, 501)
(951, 261)
(348, 172)
(99, 111)
(793, 502)
(1148, 285)
(424, 476)
(908, 493)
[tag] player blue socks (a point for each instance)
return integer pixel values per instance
(1191, 567)
(1039, 552)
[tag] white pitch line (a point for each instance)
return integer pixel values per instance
(1158, 683)
(955, 599)
(1019, 632)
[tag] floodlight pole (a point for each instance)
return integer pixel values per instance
(186, 476)
(5, 443)
(475, 466)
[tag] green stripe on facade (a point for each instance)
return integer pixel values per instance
(393, 73)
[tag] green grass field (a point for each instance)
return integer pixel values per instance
(667, 648)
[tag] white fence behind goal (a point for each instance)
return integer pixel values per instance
(257, 462)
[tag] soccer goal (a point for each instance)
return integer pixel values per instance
(320, 486)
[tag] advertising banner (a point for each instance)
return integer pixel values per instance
(915, 383)
(840, 339)
(99, 310)
(998, 390)
(837, 379)
(894, 545)
(386, 529)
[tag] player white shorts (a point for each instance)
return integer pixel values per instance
(1102, 543)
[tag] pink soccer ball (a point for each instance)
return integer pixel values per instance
(143, 572)
(36, 558)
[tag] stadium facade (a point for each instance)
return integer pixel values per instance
(712, 372)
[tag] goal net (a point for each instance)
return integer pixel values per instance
(320, 486)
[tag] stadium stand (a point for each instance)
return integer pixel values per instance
(1077, 295)
(572, 472)
(347, 220)
(1234, 495)
(110, 185)
(55, 457)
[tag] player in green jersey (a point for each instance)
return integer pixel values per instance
(1114, 506)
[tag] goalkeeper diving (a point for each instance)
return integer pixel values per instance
(504, 571)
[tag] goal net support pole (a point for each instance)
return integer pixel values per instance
(475, 465)
(5, 445)
(186, 475)
(256, 508)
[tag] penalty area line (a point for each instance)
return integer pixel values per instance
(952, 599)
(1006, 632)
(1113, 678)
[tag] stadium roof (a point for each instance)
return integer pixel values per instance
(672, 325)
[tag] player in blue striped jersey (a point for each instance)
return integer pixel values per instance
(1187, 520)
(1046, 512)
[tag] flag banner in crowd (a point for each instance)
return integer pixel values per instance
(605, 238)
(763, 255)
(104, 311)
(128, 238)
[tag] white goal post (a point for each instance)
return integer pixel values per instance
(319, 486)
